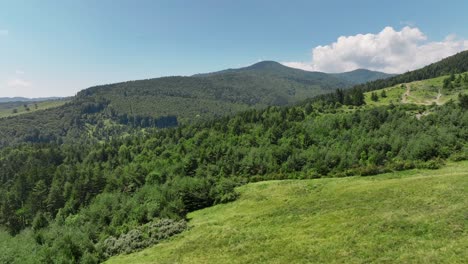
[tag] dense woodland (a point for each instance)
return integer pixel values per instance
(85, 198)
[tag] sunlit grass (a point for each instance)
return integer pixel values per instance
(7, 109)
(421, 93)
(417, 216)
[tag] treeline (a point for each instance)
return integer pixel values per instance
(113, 189)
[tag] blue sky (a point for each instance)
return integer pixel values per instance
(56, 48)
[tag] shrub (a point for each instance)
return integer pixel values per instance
(142, 237)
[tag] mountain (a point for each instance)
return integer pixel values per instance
(107, 110)
(203, 96)
(216, 94)
(279, 70)
(168, 101)
(24, 99)
(362, 76)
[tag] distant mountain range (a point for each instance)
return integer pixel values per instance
(271, 67)
(361, 76)
(24, 99)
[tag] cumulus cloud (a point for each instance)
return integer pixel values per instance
(389, 51)
(18, 83)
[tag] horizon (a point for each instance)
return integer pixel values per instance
(86, 44)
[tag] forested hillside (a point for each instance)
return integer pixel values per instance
(108, 110)
(362, 76)
(215, 94)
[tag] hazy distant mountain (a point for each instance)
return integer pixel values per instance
(271, 67)
(362, 76)
(24, 99)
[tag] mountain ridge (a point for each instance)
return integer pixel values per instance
(351, 77)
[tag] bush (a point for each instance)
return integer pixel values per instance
(224, 191)
(142, 237)
(433, 164)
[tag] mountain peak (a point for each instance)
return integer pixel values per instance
(265, 65)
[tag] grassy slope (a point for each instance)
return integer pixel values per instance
(6, 109)
(416, 216)
(421, 92)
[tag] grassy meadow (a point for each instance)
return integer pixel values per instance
(420, 93)
(7, 109)
(416, 216)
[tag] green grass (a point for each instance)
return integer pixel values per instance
(6, 109)
(421, 93)
(417, 216)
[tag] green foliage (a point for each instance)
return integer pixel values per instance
(463, 100)
(383, 94)
(142, 237)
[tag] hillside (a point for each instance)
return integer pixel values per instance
(215, 94)
(424, 92)
(108, 110)
(362, 76)
(416, 216)
(455, 64)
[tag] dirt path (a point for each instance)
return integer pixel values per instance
(438, 97)
(404, 99)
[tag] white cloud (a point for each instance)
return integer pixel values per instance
(388, 51)
(18, 83)
(3, 32)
